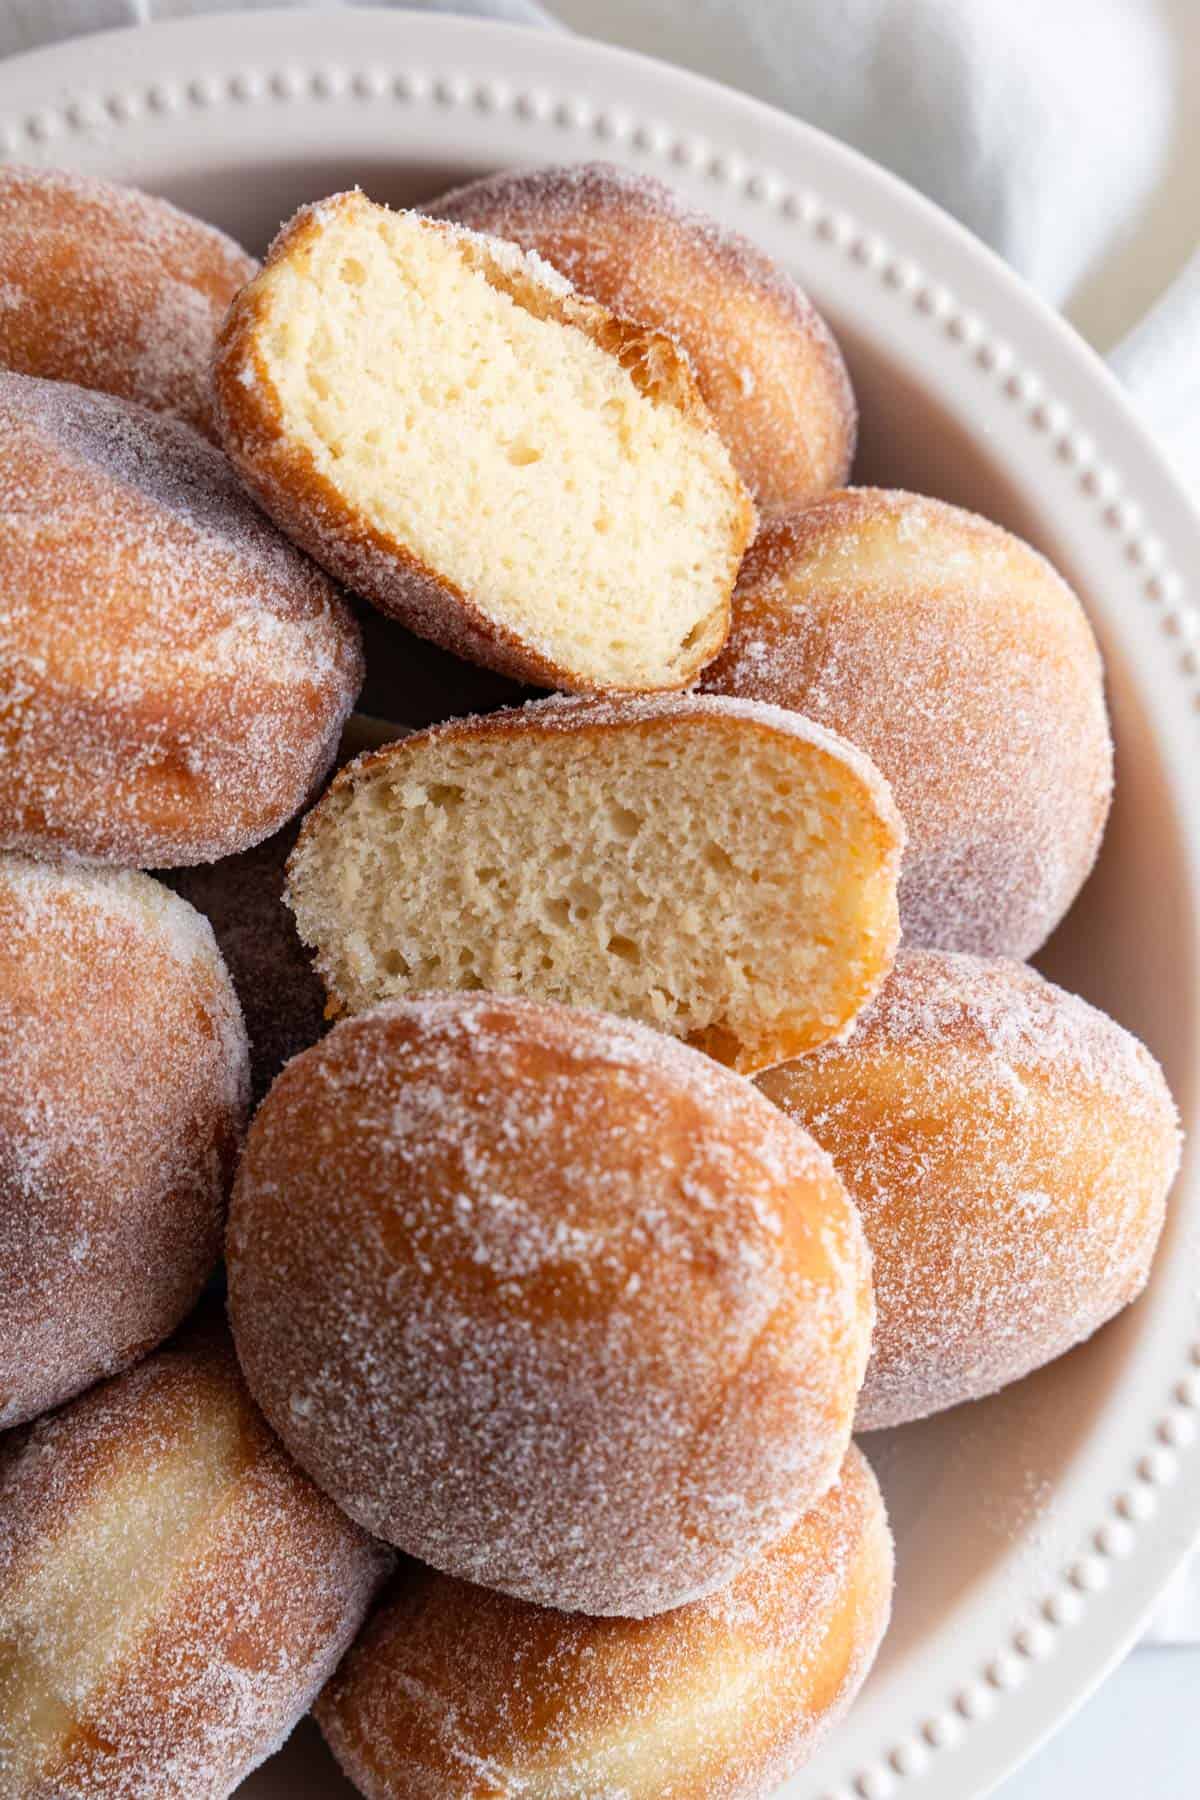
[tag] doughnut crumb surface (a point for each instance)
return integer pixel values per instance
(723, 871)
(766, 362)
(503, 465)
(1010, 1150)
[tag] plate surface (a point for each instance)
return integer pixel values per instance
(1034, 1530)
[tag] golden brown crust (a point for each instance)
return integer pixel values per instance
(123, 1099)
(307, 505)
(963, 664)
(115, 290)
(237, 1587)
(573, 1250)
(584, 715)
(452, 1690)
(173, 674)
(766, 363)
(1010, 1150)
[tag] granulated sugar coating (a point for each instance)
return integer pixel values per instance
(1010, 1150)
(123, 1097)
(963, 664)
(173, 1591)
(453, 1693)
(173, 673)
(547, 1299)
(766, 362)
(113, 289)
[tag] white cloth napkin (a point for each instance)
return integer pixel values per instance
(1046, 126)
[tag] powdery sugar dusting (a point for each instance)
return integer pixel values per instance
(176, 674)
(765, 360)
(555, 1305)
(961, 662)
(123, 1095)
(453, 1690)
(1010, 1150)
(198, 1668)
(113, 289)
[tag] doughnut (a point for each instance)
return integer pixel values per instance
(115, 290)
(123, 1091)
(952, 654)
(173, 1591)
(1009, 1149)
(724, 871)
(173, 674)
(766, 363)
(494, 460)
(457, 1694)
(546, 1299)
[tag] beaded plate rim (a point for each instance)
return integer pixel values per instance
(36, 129)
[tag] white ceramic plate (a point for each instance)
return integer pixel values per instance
(1036, 1529)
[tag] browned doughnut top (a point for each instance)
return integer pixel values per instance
(1010, 1150)
(173, 674)
(957, 658)
(111, 288)
(173, 1591)
(123, 1090)
(456, 1694)
(546, 1298)
(766, 362)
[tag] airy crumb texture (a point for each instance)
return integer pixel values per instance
(113, 289)
(957, 658)
(724, 871)
(499, 463)
(123, 1097)
(765, 360)
(1010, 1150)
(173, 1591)
(173, 673)
(547, 1299)
(453, 1693)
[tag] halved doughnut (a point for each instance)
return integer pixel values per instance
(500, 463)
(724, 871)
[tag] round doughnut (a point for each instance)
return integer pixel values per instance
(964, 665)
(123, 1091)
(111, 288)
(547, 1299)
(766, 362)
(173, 1591)
(724, 1698)
(1010, 1150)
(173, 674)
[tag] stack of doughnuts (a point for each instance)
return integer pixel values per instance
(603, 1107)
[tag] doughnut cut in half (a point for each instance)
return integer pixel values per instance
(503, 465)
(722, 870)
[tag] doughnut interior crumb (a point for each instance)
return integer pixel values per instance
(547, 461)
(732, 886)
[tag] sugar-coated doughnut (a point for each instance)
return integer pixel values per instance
(1010, 1150)
(547, 1299)
(722, 870)
(964, 665)
(494, 460)
(113, 289)
(765, 360)
(123, 1092)
(173, 1591)
(453, 1693)
(173, 673)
